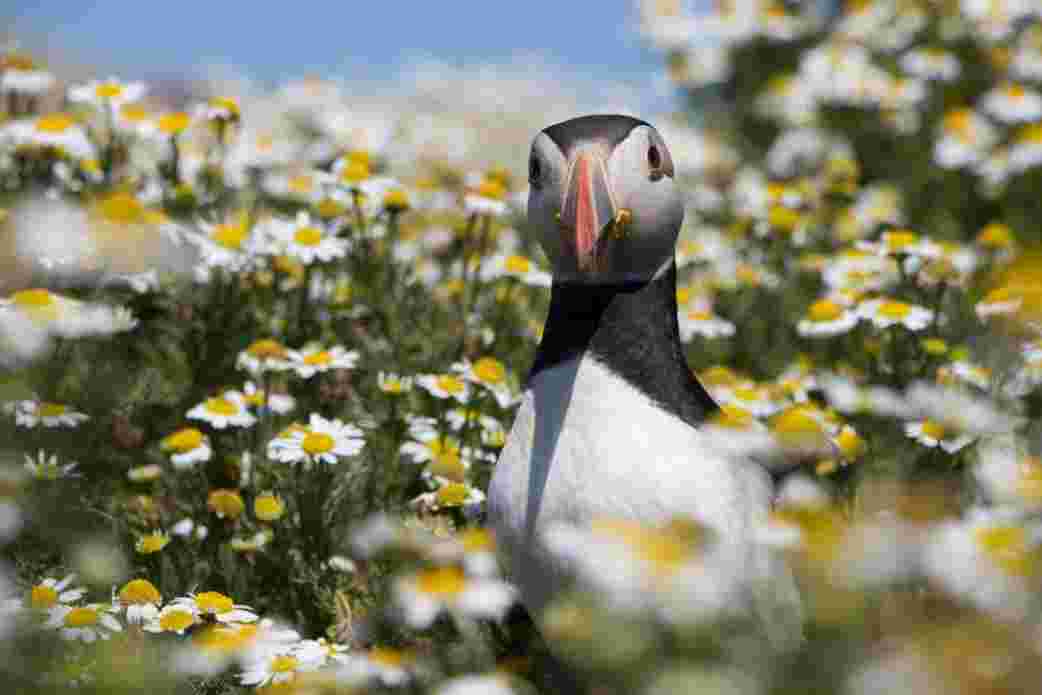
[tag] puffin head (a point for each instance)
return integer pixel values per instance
(603, 199)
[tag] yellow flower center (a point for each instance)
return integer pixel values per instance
(176, 620)
(489, 370)
(960, 121)
(318, 359)
(17, 61)
(1014, 91)
(308, 236)
(267, 349)
(891, 309)
(445, 459)
(748, 393)
(393, 385)
(174, 123)
(933, 430)
(226, 503)
(718, 376)
(452, 495)
(899, 239)
(182, 441)
(268, 507)
(133, 113)
(152, 543)
(799, 426)
(108, 90)
(449, 384)
(301, 183)
(824, 310)
(121, 208)
(492, 188)
(32, 299)
(51, 410)
(316, 443)
(733, 417)
(229, 104)
(1009, 548)
(230, 236)
(441, 581)
(476, 540)
(213, 602)
(850, 443)
(396, 200)
(139, 592)
(221, 406)
(328, 208)
(355, 172)
(81, 617)
(995, 235)
(43, 597)
(387, 656)
(517, 264)
(54, 123)
(1030, 134)
(284, 663)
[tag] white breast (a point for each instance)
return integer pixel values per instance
(586, 444)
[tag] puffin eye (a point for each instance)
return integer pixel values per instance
(534, 170)
(655, 162)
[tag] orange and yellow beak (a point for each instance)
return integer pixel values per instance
(589, 207)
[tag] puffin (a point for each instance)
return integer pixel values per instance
(612, 422)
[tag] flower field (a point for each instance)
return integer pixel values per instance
(259, 355)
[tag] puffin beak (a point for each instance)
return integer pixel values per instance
(589, 207)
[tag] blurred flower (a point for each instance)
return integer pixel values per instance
(304, 240)
(268, 507)
(275, 668)
(84, 623)
(265, 355)
(309, 361)
(175, 617)
(20, 74)
(322, 441)
(109, 93)
(223, 411)
(392, 383)
(933, 434)
(425, 595)
(58, 131)
(215, 605)
(515, 266)
(931, 64)
(225, 503)
(1013, 103)
(490, 374)
(387, 666)
(704, 323)
(444, 386)
(144, 474)
(50, 593)
(826, 318)
(187, 447)
(45, 467)
(64, 316)
(884, 313)
(30, 413)
(140, 599)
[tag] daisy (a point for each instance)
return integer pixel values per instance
(45, 467)
(309, 361)
(966, 372)
(515, 266)
(274, 668)
(429, 593)
(322, 441)
(392, 383)
(305, 240)
(109, 93)
(176, 617)
(443, 456)
(444, 386)
(58, 131)
(30, 413)
(451, 495)
(216, 606)
(51, 593)
(826, 318)
(490, 374)
(703, 322)
(225, 503)
(320, 652)
(278, 403)
(1026, 150)
(228, 244)
(965, 138)
(900, 242)
(84, 623)
(186, 447)
(884, 313)
(140, 599)
(265, 355)
(223, 411)
(1013, 103)
(933, 434)
(303, 186)
(487, 198)
(388, 666)
(268, 506)
(20, 74)
(67, 317)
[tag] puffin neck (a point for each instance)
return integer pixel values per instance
(632, 330)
